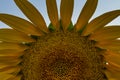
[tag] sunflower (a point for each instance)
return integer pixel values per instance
(88, 50)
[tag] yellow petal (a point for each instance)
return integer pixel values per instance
(110, 45)
(66, 10)
(112, 75)
(110, 42)
(86, 14)
(18, 77)
(10, 62)
(113, 61)
(11, 52)
(10, 35)
(106, 33)
(113, 58)
(19, 24)
(3, 65)
(6, 45)
(7, 65)
(32, 13)
(5, 76)
(53, 12)
(4, 58)
(11, 69)
(113, 66)
(100, 22)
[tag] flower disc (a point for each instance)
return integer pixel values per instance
(66, 56)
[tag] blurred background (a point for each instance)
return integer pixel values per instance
(9, 7)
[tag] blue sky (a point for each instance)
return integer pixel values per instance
(9, 7)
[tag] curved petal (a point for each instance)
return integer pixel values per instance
(10, 35)
(6, 45)
(66, 10)
(19, 24)
(113, 58)
(32, 13)
(53, 12)
(106, 33)
(7, 65)
(10, 62)
(100, 22)
(112, 75)
(110, 42)
(109, 46)
(11, 69)
(113, 66)
(3, 65)
(18, 77)
(86, 14)
(5, 76)
(11, 52)
(4, 58)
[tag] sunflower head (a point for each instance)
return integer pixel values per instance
(88, 50)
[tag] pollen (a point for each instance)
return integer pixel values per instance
(63, 56)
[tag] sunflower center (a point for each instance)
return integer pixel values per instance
(60, 67)
(62, 56)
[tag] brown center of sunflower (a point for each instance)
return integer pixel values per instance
(63, 56)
